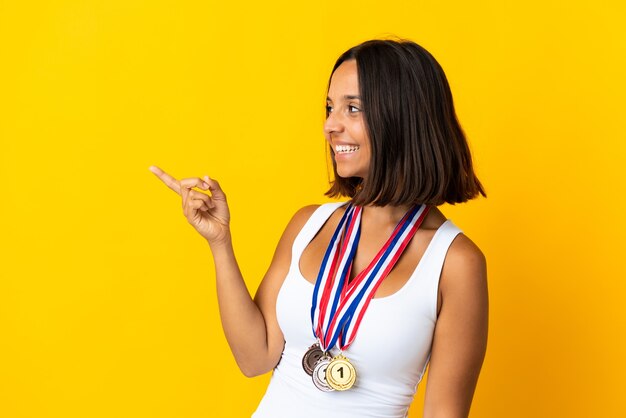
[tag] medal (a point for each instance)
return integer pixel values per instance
(319, 374)
(339, 304)
(310, 358)
(340, 373)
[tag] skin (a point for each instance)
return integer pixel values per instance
(345, 124)
(250, 325)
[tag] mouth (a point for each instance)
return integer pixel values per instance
(346, 149)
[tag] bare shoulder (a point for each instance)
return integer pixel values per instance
(300, 218)
(279, 266)
(293, 228)
(465, 267)
(304, 213)
(464, 253)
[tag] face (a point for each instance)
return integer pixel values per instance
(344, 128)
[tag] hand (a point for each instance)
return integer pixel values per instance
(209, 215)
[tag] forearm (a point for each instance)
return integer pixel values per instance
(242, 320)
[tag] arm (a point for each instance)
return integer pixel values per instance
(460, 339)
(250, 326)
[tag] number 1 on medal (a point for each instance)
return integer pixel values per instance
(340, 374)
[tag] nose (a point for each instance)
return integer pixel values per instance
(332, 125)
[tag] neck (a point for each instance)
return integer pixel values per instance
(382, 215)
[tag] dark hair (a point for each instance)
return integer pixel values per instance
(419, 153)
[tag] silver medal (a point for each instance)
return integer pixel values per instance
(319, 374)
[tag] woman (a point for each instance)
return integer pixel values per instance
(361, 295)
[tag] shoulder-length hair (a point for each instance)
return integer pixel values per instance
(419, 153)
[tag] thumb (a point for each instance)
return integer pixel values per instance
(214, 187)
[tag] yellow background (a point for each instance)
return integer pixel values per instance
(107, 299)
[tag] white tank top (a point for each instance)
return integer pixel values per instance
(390, 351)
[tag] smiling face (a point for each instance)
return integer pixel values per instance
(344, 128)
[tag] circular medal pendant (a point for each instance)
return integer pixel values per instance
(319, 374)
(340, 373)
(310, 358)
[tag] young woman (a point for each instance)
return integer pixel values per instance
(361, 295)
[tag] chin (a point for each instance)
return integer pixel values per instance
(344, 174)
(345, 171)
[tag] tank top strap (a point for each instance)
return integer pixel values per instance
(431, 265)
(441, 241)
(312, 227)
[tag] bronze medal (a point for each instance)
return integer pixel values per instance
(319, 374)
(310, 358)
(340, 373)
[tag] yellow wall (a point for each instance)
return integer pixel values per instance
(107, 302)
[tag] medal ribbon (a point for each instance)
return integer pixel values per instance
(324, 290)
(339, 306)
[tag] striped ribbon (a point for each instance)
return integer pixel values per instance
(338, 304)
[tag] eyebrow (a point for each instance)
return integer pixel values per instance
(346, 97)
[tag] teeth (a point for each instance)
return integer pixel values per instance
(341, 149)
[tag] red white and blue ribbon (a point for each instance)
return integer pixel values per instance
(338, 304)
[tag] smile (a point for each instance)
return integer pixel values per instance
(345, 149)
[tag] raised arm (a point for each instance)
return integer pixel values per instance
(460, 339)
(250, 325)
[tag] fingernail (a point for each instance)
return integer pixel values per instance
(204, 184)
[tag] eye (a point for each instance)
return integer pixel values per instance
(329, 108)
(353, 109)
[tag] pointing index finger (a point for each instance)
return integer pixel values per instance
(169, 181)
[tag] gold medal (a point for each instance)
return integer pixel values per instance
(310, 358)
(319, 374)
(340, 373)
